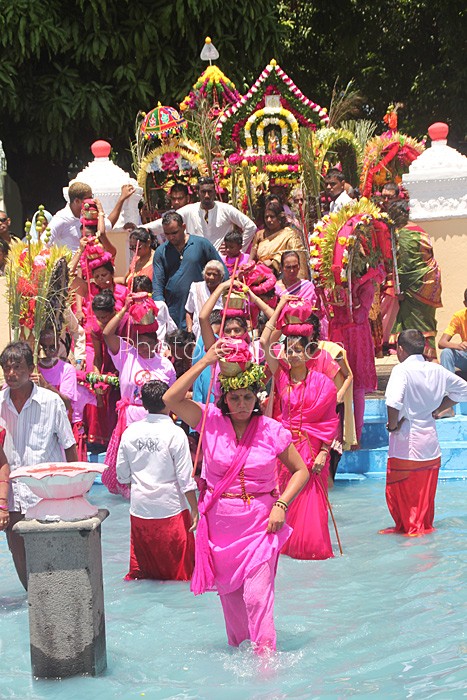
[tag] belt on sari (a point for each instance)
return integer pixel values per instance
(247, 496)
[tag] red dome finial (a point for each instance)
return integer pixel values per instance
(101, 149)
(438, 131)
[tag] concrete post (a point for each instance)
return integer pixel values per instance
(65, 596)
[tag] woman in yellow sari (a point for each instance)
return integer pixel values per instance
(276, 237)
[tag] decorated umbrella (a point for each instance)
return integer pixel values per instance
(161, 122)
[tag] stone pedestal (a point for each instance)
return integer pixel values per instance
(65, 596)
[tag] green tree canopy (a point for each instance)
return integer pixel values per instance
(75, 70)
(409, 51)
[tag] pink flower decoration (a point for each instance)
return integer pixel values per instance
(40, 262)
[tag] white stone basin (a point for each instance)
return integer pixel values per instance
(61, 487)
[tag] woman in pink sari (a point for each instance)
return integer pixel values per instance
(353, 332)
(306, 405)
(242, 517)
(290, 283)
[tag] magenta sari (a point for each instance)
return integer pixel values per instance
(308, 410)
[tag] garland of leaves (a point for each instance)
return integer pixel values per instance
(255, 374)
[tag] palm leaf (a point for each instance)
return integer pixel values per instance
(344, 103)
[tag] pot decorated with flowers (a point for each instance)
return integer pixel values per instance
(61, 488)
(237, 360)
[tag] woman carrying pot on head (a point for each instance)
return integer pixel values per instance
(305, 405)
(242, 523)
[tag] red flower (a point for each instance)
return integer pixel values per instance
(26, 287)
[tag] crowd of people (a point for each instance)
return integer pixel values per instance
(233, 381)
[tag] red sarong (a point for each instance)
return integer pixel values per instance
(410, 495)
(79, 433)
(162, 549)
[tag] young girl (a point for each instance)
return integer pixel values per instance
(60, 377)
(233, 241)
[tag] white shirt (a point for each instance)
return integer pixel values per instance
(65, 229)
(340, 202)
(40, 433)
(197, 297)
(165, 321)
(154, 456)
(221, 219)
(416, 388)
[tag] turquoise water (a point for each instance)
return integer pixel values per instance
(386, 620)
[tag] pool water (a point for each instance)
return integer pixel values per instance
(386, 620)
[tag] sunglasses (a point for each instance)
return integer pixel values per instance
(3, 219)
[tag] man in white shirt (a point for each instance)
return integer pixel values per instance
(211, 219)
(154, 458)
(334, 184)
(37, 430)
(65, 226)
(416, 390)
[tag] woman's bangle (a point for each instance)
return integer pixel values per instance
(281, 504)
(270, 326)
(3, 507)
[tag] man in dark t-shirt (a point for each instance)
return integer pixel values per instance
(177, 263)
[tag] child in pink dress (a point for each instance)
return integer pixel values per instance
(61, 377)
(233, 241)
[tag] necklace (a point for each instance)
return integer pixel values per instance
(294, 380)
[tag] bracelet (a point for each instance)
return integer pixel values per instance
(281, 504)
(3, 507)
(391, 430)
(270, 326)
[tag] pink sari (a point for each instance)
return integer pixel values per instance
(306, 290)
(308, 410)
(231, 540)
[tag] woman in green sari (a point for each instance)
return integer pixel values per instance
(419, 278)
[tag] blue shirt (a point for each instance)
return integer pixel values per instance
(201, 383)
(174, 271)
